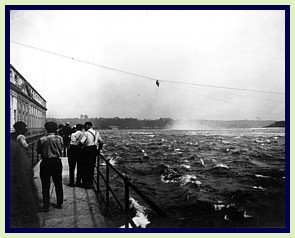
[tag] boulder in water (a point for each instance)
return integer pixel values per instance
(161, 168)
(192, 157)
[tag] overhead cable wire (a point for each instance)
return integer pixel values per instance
(222, 87)
(143, 76)
(86, 62)
(239, 94)
(221, 100)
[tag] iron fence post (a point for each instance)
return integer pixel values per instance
(97, 173)
(126, 203)
(107, 182)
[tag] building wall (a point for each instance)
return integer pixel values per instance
(26, 104)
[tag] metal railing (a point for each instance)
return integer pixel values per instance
(128, 186)
(32, 150)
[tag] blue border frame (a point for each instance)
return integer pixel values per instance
(285, 8)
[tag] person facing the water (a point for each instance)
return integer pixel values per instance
(60, 130)
(50, 148)
(90, 142)
(19, 134)
(74, 156)
(66, 134)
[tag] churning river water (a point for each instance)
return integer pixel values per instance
(206, 178)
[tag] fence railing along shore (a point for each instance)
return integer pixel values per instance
(128, 187)
(32, 149)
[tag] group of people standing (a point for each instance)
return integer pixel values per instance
(81, 144)
(82, 151)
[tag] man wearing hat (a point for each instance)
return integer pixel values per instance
(74, 156)
(50, 147)
(90, 141)
(66, 134)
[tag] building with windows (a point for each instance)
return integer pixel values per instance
(26, 104)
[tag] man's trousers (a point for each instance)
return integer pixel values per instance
(51, 168)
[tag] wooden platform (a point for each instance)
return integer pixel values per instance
(80, 208)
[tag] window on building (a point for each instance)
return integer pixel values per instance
(14, 116)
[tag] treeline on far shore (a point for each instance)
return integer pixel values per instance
(117, 123)
(277, 124)
(165, 123)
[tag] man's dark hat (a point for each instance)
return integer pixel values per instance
(19, 125)
(88, 123)
(51, 126)
(79, 126)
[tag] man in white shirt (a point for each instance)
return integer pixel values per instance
(74, 156)
(90, 142)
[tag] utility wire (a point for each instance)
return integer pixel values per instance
(221, 100)
(84, 61)
(143, 76)
(213, 86)
(236, 93)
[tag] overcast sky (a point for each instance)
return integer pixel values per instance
(240, 49)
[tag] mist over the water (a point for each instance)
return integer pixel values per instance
(188, 125)
(185, 124)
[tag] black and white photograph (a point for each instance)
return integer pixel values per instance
(148, 118)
